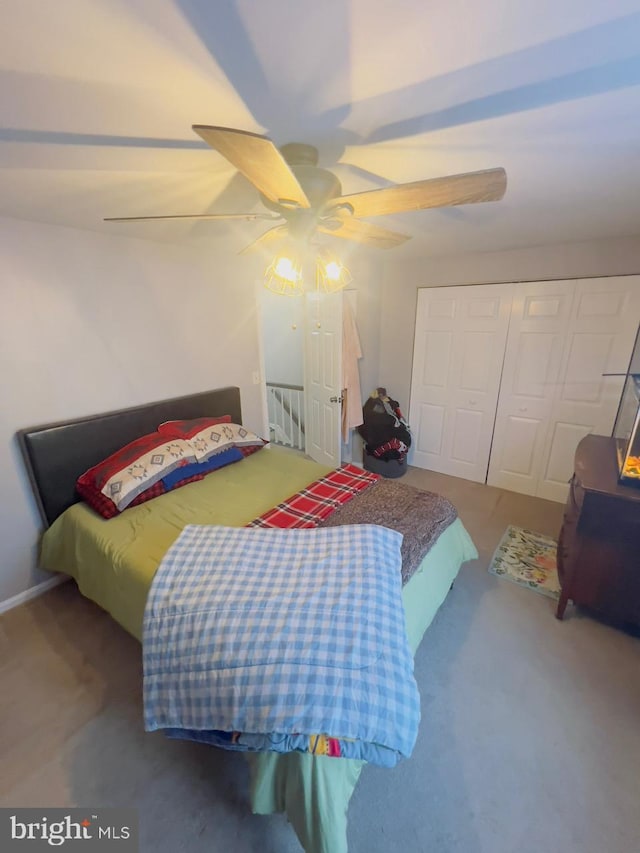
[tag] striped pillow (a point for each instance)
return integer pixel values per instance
(209, 436)
(135, 467)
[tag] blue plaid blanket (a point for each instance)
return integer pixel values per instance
(282, 640)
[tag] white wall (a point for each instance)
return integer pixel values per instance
(91, 323)
(282, 337)
(402, 280)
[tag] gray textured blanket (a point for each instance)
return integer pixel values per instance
(419, 516)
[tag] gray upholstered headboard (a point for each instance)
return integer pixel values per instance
(56, 454)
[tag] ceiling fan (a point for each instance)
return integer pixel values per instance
(309, 198)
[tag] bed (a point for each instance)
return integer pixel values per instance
(114, 562)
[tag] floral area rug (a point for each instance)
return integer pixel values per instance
(528, 559)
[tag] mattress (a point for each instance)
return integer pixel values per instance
(113, 562)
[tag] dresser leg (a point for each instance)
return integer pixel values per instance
(562, 603)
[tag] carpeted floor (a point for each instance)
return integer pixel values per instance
(529, 741)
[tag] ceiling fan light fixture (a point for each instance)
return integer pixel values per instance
(333, 270)
(284, 275)
(286, 268)
(331, 274)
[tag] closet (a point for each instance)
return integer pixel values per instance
(507, 378)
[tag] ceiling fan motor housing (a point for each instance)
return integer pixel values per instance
(299, 154)
(319, 185)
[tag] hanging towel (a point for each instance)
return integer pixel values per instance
(351, 353)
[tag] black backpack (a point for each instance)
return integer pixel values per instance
(383, 422)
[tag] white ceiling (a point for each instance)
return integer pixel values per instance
(98, 97)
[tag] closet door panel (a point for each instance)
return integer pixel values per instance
(533, 358)
(458, 353)
(430, 435)
(598, 341)
(521, 437)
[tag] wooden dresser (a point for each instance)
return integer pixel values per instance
(599, 543)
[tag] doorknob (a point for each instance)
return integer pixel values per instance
(336, 399)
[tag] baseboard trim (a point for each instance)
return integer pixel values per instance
(33, 592)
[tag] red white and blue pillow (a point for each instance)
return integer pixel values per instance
(178, 453)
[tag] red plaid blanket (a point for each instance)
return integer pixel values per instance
(316, 501)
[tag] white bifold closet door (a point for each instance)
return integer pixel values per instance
(564, 337)
(508, 378)
(457, 360)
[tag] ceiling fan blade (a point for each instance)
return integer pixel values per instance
(258, 159)
(363, 232)
(247, 216)
(468, 188)
(264, 241)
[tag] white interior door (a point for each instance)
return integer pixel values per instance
(598, 341)
(540, 315)
(458, 353)
(323, 377)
